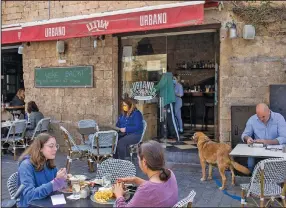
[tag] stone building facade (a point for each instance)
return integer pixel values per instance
(246, 67)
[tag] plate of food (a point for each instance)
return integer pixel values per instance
(77, 177)
(106, 196)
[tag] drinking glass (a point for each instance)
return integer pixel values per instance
(76, 189)
(107, 180)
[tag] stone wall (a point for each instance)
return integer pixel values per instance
(247, 69)
(69, 105)
(29, 11)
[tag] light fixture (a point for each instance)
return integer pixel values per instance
(248, 32)
(20, 49)
(60, 46)
(95, 43)
(232, 29)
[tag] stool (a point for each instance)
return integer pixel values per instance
(191, 107)
(208, 106)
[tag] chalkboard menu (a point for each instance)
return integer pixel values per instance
(74, 76)
(278, 99)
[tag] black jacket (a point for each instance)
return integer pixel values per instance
(16, 101)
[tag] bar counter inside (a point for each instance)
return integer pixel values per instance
(201, 104)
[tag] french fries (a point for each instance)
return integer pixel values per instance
(103, 196)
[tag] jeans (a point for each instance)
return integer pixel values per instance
(251, 163)
(124, 143)
(178, 106)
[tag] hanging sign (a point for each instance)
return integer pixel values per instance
(143, 90)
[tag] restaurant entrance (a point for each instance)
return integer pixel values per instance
(11, 73)
(193, 56)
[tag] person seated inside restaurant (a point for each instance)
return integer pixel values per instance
(130, 123)
(34, 117)
(266, 127)
(37, 170)
(19, 98)
(161, 190)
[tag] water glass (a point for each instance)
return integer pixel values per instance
(76, 189)
(107, 180)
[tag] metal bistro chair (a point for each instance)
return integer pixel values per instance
(87, 127)
(42, 126)
(117, 168)
(12, 184)
(264, 183)
(103, 145)
(133, 147)
(15, 136)
(81, 151)
(187, 201)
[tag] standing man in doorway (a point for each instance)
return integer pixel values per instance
(265, 127)
(179, 92)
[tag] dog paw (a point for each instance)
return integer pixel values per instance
(221, 188)
(203, 179)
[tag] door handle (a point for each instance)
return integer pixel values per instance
(235, 130)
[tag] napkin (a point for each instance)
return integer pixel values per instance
(72, 197)
(58, 199)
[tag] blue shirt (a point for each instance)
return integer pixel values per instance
(274, 129)
(179, 91)
(133, 123)
(37, 183)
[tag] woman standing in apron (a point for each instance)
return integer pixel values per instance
(179, 92)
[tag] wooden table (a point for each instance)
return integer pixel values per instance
(15, 107)
(243, 150)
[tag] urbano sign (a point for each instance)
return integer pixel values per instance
(143, 90)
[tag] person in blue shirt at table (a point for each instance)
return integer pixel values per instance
(179, 92)
(265, 127)
(37, 170)
(130, 123)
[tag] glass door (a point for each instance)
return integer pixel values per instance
(143, 62)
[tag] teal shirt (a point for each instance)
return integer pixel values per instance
(166, 88)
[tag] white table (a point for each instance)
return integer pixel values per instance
(243, 150)
(7, 124)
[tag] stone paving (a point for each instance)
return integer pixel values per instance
(188, 177)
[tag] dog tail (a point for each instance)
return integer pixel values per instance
(240, 168)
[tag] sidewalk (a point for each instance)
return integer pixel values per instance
(188, 178)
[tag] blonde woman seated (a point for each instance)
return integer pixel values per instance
(161, 190)
(37, 170)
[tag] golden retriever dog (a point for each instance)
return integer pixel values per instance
(215, 153)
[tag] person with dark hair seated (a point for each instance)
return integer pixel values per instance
(34, 118)
(161, 190)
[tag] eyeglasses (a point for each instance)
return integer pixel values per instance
(53, 146)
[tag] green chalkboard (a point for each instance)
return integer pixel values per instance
(74, 76)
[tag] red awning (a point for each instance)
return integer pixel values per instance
(140, 19)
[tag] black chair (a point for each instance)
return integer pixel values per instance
(190, 117)
(208, 106)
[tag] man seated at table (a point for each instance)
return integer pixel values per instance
(265, 127)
